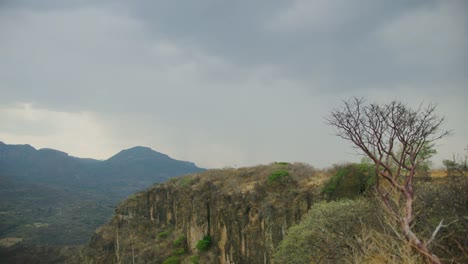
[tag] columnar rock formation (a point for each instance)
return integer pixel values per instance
(245, 212)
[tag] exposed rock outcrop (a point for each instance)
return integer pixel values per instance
(246, 212)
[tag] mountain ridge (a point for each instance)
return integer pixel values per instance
(134, 169)
(49, 174)
(138, 150)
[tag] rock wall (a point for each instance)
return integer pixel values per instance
(245, 215)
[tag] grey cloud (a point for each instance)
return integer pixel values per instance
(250, 80)
(349, 50)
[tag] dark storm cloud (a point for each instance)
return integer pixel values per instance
(226, 77)
(334, 42)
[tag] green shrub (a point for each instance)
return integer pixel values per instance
(164, 234)
(350, 181)
(278, 175)
(178, 251)
(186, 181)
(194, 259)
(326, 232)
(282, 163)
(172, 260)
(178, 241)
(204, 244)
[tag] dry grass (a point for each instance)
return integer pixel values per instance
(244, 180)
(438, 173)
(386, 244)
(375, 247)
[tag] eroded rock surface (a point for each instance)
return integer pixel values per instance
(246, 212)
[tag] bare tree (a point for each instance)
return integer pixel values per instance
(377, 131)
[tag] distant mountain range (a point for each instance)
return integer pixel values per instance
(45, 192)
(128, 171)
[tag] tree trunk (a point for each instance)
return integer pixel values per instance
(410, 235)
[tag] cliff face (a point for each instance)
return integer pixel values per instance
(246, 212)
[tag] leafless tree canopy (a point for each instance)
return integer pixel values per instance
(392, 135)
(388, 134)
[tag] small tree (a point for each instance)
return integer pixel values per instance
(377, 131)
(425, 163)
(454, 167)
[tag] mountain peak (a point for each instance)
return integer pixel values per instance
(18, 147)
(138, 153)
(141, 149)
(49, 151)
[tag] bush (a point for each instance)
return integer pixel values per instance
(186, 181)
(204, 244)
(164, 234)
(326, 232)
(172, 260)
(195, 259)
(178, 241)
(278, 175)
(178, 252)
(350, 181)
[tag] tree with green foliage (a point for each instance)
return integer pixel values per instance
(456, 166)
(425, 163)
(277, 176)
(377, 130)
(349, 181)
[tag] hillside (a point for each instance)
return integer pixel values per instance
(277, 213)
(46, 192)
(245, 212)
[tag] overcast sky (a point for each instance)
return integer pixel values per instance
(223, 83)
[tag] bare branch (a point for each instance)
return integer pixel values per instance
(439, 226)
(377, 130)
